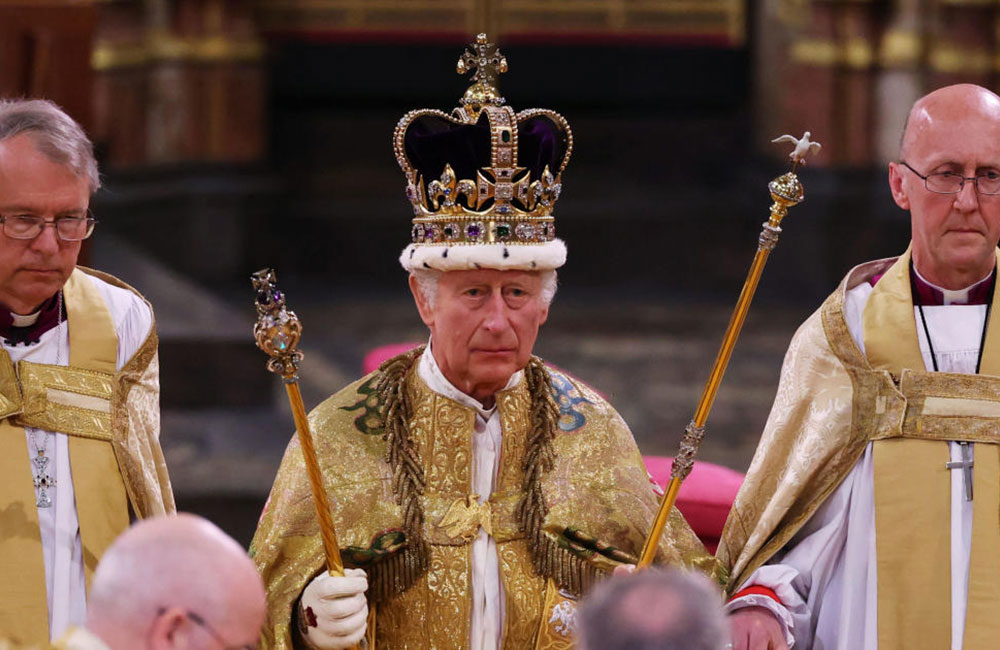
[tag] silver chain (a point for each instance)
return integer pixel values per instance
(42, 480)
(59, 336)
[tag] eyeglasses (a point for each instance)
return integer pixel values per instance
(202, 623)
(29, 226)
(987, 182)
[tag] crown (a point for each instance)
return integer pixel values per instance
(483, 180)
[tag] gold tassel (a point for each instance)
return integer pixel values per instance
(399, 572)
(570, 572)
(402, 569)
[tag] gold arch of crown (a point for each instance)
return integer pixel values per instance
(438, 216)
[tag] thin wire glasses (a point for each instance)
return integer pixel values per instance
(29, 226)
(987, 182)
(196, 618)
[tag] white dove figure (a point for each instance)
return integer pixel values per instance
(803, 146)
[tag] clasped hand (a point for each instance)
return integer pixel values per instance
(333, 610)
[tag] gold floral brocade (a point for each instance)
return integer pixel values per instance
(433, 609)
(817, 430)
(524, 595)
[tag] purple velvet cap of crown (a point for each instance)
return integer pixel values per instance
(432, 141)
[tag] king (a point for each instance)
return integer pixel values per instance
(476, 491)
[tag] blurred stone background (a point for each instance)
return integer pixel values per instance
(238, 134)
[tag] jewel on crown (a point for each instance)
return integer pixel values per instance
(483, 173)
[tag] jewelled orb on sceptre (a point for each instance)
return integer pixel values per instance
(786, 190)
(277, 330)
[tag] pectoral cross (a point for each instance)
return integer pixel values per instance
(966, 465)
(43, 482)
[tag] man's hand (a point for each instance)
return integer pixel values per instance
(623, 570)
(333, 611)
(756, 628)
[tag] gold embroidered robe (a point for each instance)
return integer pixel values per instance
(600, 500)
(112, 420)
(831, 402)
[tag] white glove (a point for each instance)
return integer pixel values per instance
(333, 611)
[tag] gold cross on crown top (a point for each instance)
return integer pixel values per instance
(487, 63)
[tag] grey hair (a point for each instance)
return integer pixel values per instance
(653, 609)
(427, 281)
(57, 136)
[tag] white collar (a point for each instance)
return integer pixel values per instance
(437, 382)
(25, 320)
(951, 296)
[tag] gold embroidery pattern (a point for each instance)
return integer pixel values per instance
(513, 406)
(135, 421)
(402, 620)
(558, 620)
(618, 495)
(287, 548)
(506, 525)
(524, 591)
(433, 610)
(918, 386)
(447, 446)
(810, 425)
(441, 430)
(449, 604)
(10, 389)
(44, 413)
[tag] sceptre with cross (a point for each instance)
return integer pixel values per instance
(277, 332)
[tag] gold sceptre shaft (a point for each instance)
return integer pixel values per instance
(277, 332)
(786, 191)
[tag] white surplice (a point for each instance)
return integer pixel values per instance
(487, 589)
(826, 575)
(60, 528)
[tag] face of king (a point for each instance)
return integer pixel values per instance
(482, 182)
(483, 326)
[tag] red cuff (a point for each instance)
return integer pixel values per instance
(759, 591)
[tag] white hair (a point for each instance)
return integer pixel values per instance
(56, 135)
(427, 282)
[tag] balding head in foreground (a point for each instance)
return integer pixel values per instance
(176, 582)
(654, 609)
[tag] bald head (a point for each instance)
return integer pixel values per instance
(951, 139)
(949, 104)
(654, 609)
(177, 576)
